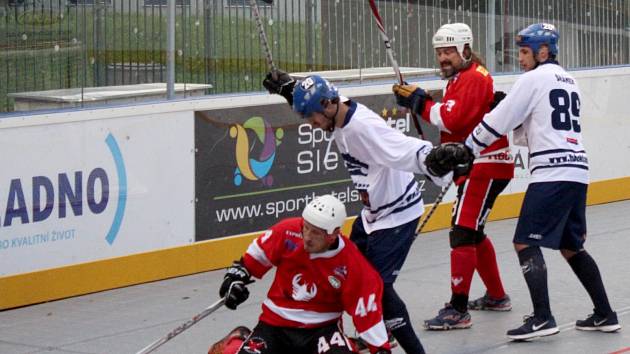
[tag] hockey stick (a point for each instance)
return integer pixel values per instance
(263, 37)
(390, 54)
(437, 202)
(210, 309)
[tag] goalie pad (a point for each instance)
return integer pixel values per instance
(232, 342)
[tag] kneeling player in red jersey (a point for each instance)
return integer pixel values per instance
(319, 275)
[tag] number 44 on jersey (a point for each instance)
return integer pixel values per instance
(363, 308)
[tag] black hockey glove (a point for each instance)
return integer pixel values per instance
(449, 157)
(282, 85)
(410, 96)
(234, 287)
(498, 97)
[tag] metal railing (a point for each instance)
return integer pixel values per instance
(55, 44)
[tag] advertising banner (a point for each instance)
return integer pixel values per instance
(82, 191)
(256, 165)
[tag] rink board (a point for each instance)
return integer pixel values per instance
(174, 253)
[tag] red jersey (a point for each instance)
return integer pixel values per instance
(467, 98)
(313, 289)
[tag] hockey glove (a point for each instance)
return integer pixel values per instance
(410, 96)
(449, 157)
(498, 97)
(234, 287)
(282, 85)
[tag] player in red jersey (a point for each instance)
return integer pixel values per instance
(319, 275)
(469, 94)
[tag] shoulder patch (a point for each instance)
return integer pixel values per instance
(341, 271)
(289, 245)
(334, 282)
(483, 71)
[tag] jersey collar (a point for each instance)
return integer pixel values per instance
(455, 77)
(548, 61)
(353, 108)
(330, 253)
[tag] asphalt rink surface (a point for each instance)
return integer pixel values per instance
(128, 319)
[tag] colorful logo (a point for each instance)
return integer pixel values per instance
(248, 167)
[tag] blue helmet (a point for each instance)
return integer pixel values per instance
(309, 94)
(537, 34)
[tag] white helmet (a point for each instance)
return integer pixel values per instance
(453, 35)
(325, 212)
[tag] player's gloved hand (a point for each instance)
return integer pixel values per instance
(449, 157)
(234, 287)
(386, 349)
(282, 85)
(498, 97)
(410, 96)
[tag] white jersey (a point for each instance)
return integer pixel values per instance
(380, 160)
(544, 107)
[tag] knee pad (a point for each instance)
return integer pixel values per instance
(461, 236)
(531, 260)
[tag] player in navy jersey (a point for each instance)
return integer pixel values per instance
(381, 162)
(543, 108)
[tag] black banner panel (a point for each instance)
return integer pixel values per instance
(256, 165)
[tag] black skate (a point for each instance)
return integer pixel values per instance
(486, 303)
(534, 327)
(595, 322)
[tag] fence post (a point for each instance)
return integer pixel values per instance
(170, 51)
(309, 29)
(491, 37)
(99, 38)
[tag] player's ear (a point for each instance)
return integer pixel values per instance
(543, 53)
(467, 52)
(332, 237)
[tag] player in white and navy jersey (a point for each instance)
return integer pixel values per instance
(543, 107)
(381, 161)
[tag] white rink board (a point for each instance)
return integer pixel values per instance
(131, 181)
(156, 142)
(605, 121)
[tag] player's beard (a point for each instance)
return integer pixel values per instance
(447, 72)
